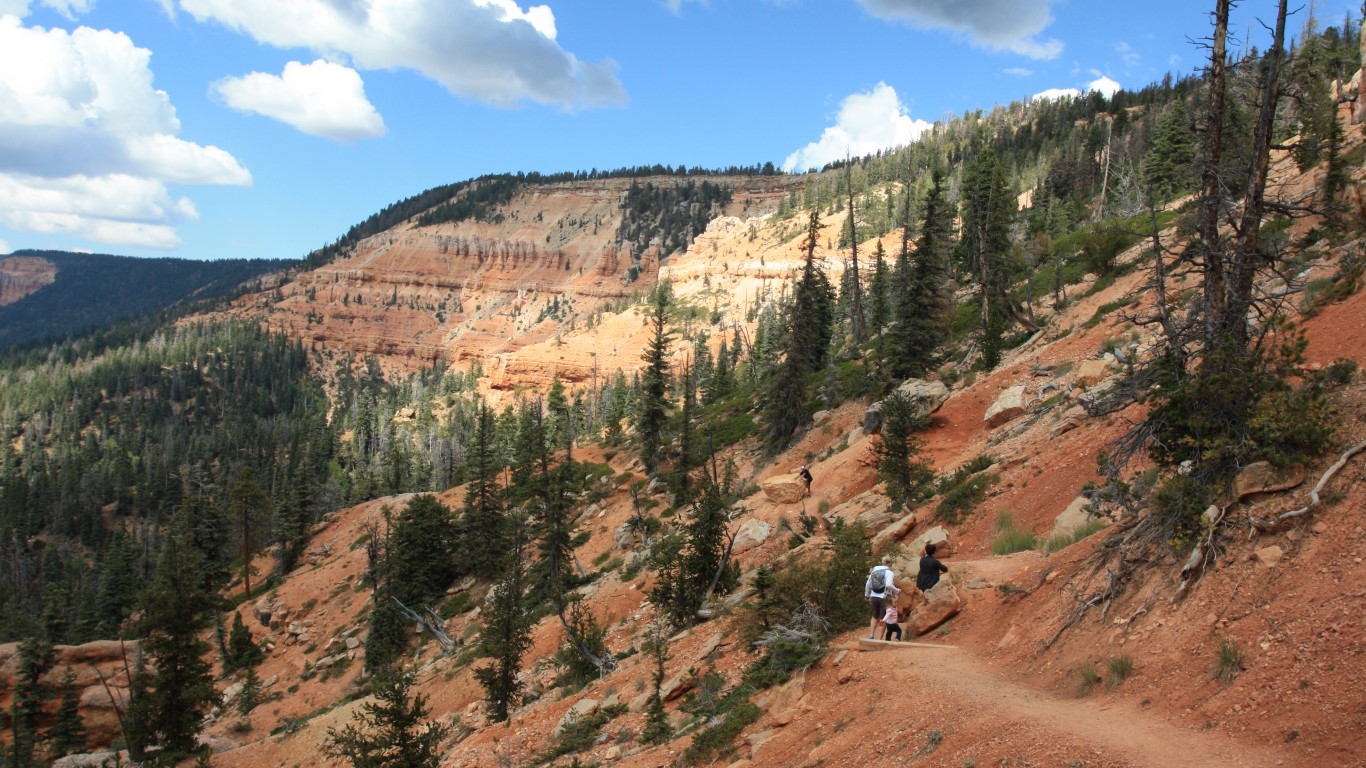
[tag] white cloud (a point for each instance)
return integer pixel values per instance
(1126, 52)
(1018, 71)
(67, 8)
(320, 99)
(88, 145)
(1102, 85)
(1001, 25)
(490, 50)
(867, 122)
(4, 248)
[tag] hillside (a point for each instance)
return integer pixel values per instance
(556, 389)
(51, 294)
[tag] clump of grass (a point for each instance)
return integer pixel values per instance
(1120, 668)
(1068, 538)
(1228, 662)
(1087, 679)
(932, 741)
(1009, 538)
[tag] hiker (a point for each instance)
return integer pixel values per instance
(930, 569)
(805, 475)
(880, 582)
(890, 619)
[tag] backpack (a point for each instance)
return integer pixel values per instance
(877, 580)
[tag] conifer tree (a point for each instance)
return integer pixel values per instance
(505, 638)
(921, 301)
(248, 506)
(67, 735)
(180, 682)
(243, 652)
(30, 693)
(421, 552)
(392, 732)
(654, 405)
(657, 729)
(483, 536)
(808, 331)
(987, 212)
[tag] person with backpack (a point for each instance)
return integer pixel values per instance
(881, 582)
(805, 475)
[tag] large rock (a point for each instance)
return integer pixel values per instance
(868, 508)
(925, 397)
(751, 534)
(1009, 404)
(1262, 477)
(1075, 516)
(1090, 372)
(943, 546)
(941, 604)
(784, 489)
(894, 533)
(581, 709)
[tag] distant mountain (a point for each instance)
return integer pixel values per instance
(50, 294)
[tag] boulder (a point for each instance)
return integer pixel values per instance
(1009, 404)
(1270, 556)
(872, 419)
(751, 534)
(784, 489)
(1262, 477)
(820, 417)
(580, 709)
(894, 533)
(1075, 516)
(940, 537)
(868, 508)
(263, 609)
(628, 536)
(926, 396)
(1091, 372)
(941, 604)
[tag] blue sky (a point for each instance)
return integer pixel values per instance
(214, 129)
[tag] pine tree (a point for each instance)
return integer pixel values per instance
(421, 552)
(392, 732)
(808, 331)
(248, 507)
(657, 729)
(505, 638)
(243, 652)
(67, 735)
(483, 536)
(30, 693)
(987, 212)
(921, 300)
(654, 405)
(180, 682)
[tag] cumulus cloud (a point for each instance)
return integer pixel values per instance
(866, 123)
(1102, 85)
(5, 249)
(88, 145)
(1018, 71)
(67, 8)
(490, 50)
(320, 99)
(1000, 25)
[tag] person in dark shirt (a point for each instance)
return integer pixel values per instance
(930, 569)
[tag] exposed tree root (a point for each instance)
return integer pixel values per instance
(1264, 525)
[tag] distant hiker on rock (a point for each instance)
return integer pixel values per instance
(930, 569)
(880, 582)
(805, 475)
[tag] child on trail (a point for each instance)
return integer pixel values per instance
(890, 619)
(805, 475)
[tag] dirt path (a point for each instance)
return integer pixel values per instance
(1113, 731)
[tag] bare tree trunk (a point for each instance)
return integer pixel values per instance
(856, 289)
(1208, 246)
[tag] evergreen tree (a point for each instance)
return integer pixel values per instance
(248, 506)
(505, 639)
(657, 729)
(880, 292)
(692, 566)
(1167, 168)
(67, 735)
(30, 694)
(908, 476)
(243, 652)
(180, 682)
(654, 405)
(988, 209)
(483, 537)
(421, 552)
(922, 300)
(392, 732)
(808, 331)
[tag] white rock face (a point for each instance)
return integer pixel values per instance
(1009, 404)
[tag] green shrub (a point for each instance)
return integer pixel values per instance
(1228, 662)
(1013, 540)
(1120, 668)
(963, 490)
(1087, 678)
(1068, 538)
(715, 740)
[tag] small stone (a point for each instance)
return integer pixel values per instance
(1269, 556)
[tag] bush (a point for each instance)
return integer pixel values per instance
(1068, 538)
(1228, 662)
(1120, 668)
(963, 490)
(715, 740)
(1010, 539)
